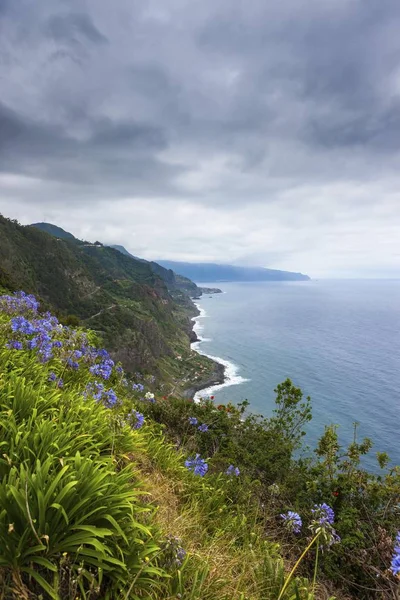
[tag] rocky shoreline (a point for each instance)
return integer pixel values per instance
(218, 375)
(216, 378)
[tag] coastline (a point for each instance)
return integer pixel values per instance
(225, 373)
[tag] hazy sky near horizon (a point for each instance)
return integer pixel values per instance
(255, 132)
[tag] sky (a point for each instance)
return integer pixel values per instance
(246, 132)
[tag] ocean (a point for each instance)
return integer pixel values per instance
(339, 341)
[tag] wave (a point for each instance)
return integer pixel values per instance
(231, 370)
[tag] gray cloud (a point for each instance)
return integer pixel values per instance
(74, 29)
(255, 132)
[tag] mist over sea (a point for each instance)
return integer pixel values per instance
(337, 340)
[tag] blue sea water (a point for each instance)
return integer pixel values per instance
(337, 340)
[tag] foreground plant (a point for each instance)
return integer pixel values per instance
(72, 516)
(322, 528)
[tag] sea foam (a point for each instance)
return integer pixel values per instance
(231, 370)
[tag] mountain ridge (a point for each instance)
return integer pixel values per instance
(216, 272)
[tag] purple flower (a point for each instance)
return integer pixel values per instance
(32, 343)
(395, 564)
(73, 364)
(103, 369)
(96, 389)
(138, 418)
(54, 377)
(20, 303)
(323, 513)
(14, 345)
(197, 465)
(203, 428)
(137, 387)
(22, 325)
(292, 521)
(180, 556)
(322, 524)
(111, 397)
(231, 470)
(193, 420)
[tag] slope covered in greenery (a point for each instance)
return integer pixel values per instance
(179, 287)
(143, 318)
(54, 230)
(111, 491)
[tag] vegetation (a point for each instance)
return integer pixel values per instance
(110, 490)
(142, 312)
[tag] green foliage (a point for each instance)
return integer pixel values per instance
(291, 413)
(72, 517)
(366, 504)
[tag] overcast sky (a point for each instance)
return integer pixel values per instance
(250, 132)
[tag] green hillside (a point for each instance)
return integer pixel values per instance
(54, 230)
(143, 319)
(178, 286)
(111, 491)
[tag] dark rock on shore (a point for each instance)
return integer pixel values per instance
(217, 377)
(193, 337)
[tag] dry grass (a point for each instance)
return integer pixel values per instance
(230, 568)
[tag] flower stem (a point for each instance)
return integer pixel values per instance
(289, 578)
(316, 567)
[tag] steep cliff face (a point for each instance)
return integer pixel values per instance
(120, 297)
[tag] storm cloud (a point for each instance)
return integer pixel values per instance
(249, 132)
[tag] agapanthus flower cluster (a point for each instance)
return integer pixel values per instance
(15, 345)
(136, 418)
(322, 523)
(111, 398)
(49, 339)
(231, 470)
(395, 564)
(97, 390)
(197, 465)
(292, 521)
(55, 379)
(173, 554)
(19, 303)
(104, 368)
(35, 333)
(323, 513)
(137, 387)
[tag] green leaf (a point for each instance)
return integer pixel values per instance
(42, 582)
